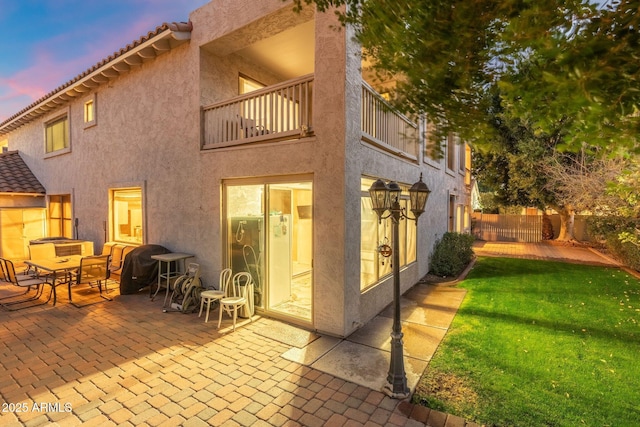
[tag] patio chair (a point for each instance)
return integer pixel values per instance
(231, 304)
(40, 251)
(94, 270)
(212, 295)
(118, 255)
(250, 128)
(28, 283)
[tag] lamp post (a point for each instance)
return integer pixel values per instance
(386, 197)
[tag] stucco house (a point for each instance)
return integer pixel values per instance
(247, 136)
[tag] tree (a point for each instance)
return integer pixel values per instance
(567, 62)
(514, 167)
(524, 168)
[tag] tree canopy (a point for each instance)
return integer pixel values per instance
(568, 66)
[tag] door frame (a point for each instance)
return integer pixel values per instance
(265, 181)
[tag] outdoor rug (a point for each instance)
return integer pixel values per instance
(284, 333)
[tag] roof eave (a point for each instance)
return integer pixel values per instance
(16, 193)
(165, 38)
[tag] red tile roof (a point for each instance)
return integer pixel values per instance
(160, 31)
(16, 177)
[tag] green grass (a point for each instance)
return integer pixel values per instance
(539, 343)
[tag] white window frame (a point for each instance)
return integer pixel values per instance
(90, 104)
(406, 257)
(112, 217)
(64, 116)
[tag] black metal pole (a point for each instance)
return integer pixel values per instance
(396, 378)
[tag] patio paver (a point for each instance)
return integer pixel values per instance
(125, 362)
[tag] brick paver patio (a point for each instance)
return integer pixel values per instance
(125, 362)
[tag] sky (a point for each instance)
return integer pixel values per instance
(46, 43)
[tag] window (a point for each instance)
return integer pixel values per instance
(373, 234)
(467, 165)
(126, 215)
(452, 213)
(57, 134)
(4, 145)
(451, 151)
(60, 221)
(431, 146)
(89, 112)
(248, 85)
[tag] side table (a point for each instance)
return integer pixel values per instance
(168, 274)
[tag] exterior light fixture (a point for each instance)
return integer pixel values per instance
(386, 197)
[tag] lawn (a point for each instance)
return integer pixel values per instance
(540, 343)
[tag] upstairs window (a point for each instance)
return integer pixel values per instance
(247, 85)
(57, 134)
(432, 144)
(89, 112)
(451, 151)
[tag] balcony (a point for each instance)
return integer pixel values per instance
(275, 113)
(384, 127)
(285, 112)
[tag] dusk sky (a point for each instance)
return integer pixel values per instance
(46, 43)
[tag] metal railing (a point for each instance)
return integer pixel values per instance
(385, 127)
(282, 111)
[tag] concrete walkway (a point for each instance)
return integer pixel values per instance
(125, 362)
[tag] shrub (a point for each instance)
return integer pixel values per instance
(451, 254)
(626, 252)
(620, 236)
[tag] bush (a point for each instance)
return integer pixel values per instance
(451, 254)
(620, 236)
(626, 252)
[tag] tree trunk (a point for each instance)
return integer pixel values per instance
(547, 227)
(567, 219)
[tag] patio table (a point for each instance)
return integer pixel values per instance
(168, 259)
(56, 266)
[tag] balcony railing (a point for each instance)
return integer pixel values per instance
(383, 126)
(278, 112)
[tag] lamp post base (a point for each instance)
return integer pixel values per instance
(396, 386)
(388, 390)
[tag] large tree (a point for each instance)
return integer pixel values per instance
(571, 62)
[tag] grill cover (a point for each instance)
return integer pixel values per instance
(139, 269)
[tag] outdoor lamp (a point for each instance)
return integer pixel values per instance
(379, 193)
(386, 197)
(418, 195)
(394, 193)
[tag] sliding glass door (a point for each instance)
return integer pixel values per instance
(269, 234)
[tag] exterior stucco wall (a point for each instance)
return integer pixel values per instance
(148, 135)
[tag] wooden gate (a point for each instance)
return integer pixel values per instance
(508, 228)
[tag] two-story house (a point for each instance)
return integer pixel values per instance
(249, 137)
